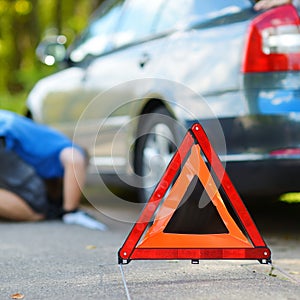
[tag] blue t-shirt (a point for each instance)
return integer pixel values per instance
(38, 145)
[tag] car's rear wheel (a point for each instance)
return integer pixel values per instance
(156, 144)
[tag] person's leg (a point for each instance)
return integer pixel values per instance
(75, 164)
(14, 208)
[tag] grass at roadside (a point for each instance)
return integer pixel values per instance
(290, 198)
(14, 103)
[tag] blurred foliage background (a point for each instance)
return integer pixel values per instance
(23, 24)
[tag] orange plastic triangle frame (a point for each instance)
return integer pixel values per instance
(147, 241)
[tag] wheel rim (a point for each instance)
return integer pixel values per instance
(157, 153)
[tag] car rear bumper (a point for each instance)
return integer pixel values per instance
(268, 177)
(262, 152)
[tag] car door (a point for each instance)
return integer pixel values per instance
(110, 82)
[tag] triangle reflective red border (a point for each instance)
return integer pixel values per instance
(188, 190)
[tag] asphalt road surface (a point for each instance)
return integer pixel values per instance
(50, 260)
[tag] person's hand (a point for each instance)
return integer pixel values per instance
(265, 4)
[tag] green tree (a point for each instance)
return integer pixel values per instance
(23, 24)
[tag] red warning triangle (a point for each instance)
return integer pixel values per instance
(200, 214)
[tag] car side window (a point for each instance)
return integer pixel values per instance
(175, 13)
(97, 39)
(137, 21)
(220, 7)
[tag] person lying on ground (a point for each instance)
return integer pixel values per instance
(42, 173)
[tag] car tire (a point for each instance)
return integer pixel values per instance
(156, 144)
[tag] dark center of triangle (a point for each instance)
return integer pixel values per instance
(196, 213)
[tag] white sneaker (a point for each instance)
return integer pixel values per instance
(82, 218)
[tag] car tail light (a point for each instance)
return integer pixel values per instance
(273, 41)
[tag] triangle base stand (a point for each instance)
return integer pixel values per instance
(263, 254)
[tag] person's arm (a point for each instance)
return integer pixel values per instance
(266, 4)
(75, 164)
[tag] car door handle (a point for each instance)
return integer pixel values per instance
(145, 58)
